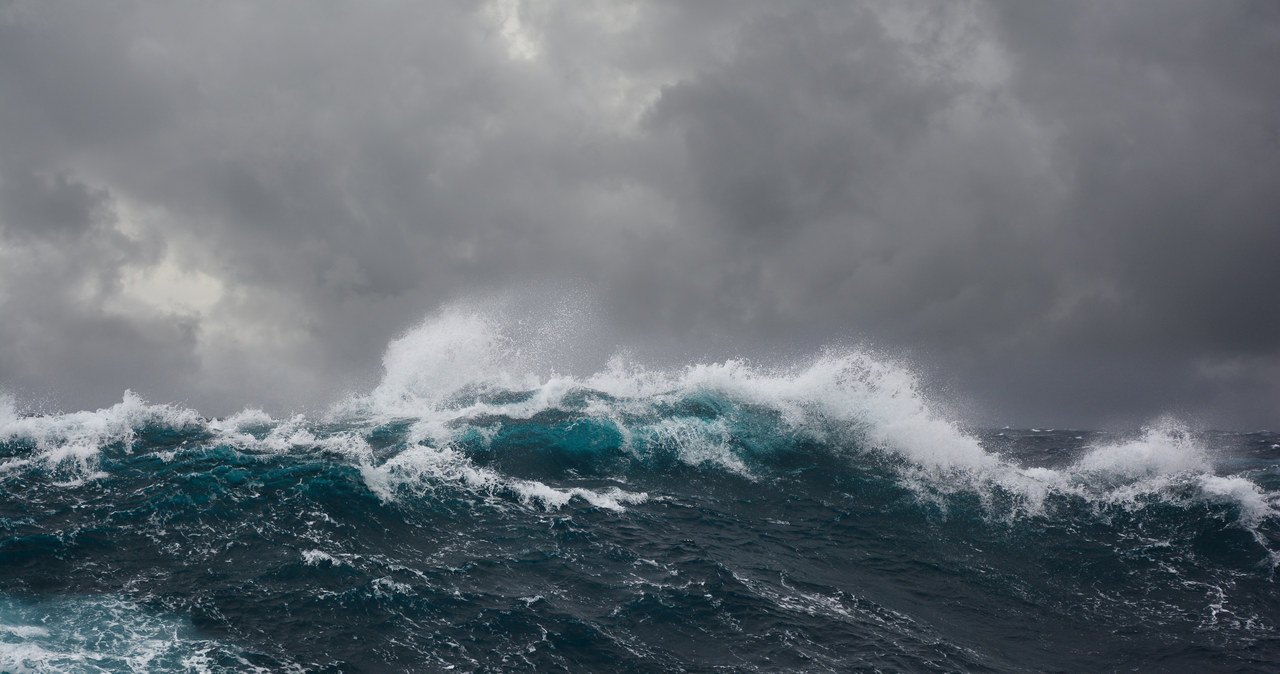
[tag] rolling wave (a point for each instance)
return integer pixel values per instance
(478, 505)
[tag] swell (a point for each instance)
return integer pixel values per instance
(1161, 494)
(472, 512)
(812, 544)
(456, 407)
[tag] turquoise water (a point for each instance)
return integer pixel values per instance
(726, 516)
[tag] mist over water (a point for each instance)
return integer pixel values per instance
(490, 504)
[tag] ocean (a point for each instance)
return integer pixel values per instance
(472, 514)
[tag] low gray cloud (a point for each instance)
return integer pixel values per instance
(1064, 212)
(48, 205)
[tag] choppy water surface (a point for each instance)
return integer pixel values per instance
(723, 516)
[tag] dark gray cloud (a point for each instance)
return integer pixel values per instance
(56, 205)
(1065, 212)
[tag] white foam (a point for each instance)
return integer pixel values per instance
(315, 557)
(70, 443)
(699, 442)
(25, 631)
(842, 390)
(846, 398)
(439, 377)
(464, 348)
(8, 411)
(292, 435)
(102, 634)
(1166, 447)
(420, 469)
(1165, 463)
(250, 417)
(386, 586)
(1254, 504)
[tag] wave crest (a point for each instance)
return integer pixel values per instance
(469, 382)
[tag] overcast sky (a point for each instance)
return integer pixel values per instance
(1065, 213)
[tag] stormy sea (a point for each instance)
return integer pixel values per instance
(477, 511)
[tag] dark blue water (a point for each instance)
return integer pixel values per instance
(722, 517)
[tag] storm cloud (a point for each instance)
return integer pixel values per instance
(1066, 213)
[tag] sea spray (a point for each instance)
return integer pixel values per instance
(483, 508)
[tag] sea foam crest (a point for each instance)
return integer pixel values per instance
(463, 350)
(436, 375)
(70, 444)
(1165, 447)
(1165, 462)
(472, 363)
(421, 469)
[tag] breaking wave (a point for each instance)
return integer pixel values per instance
(475, 436)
